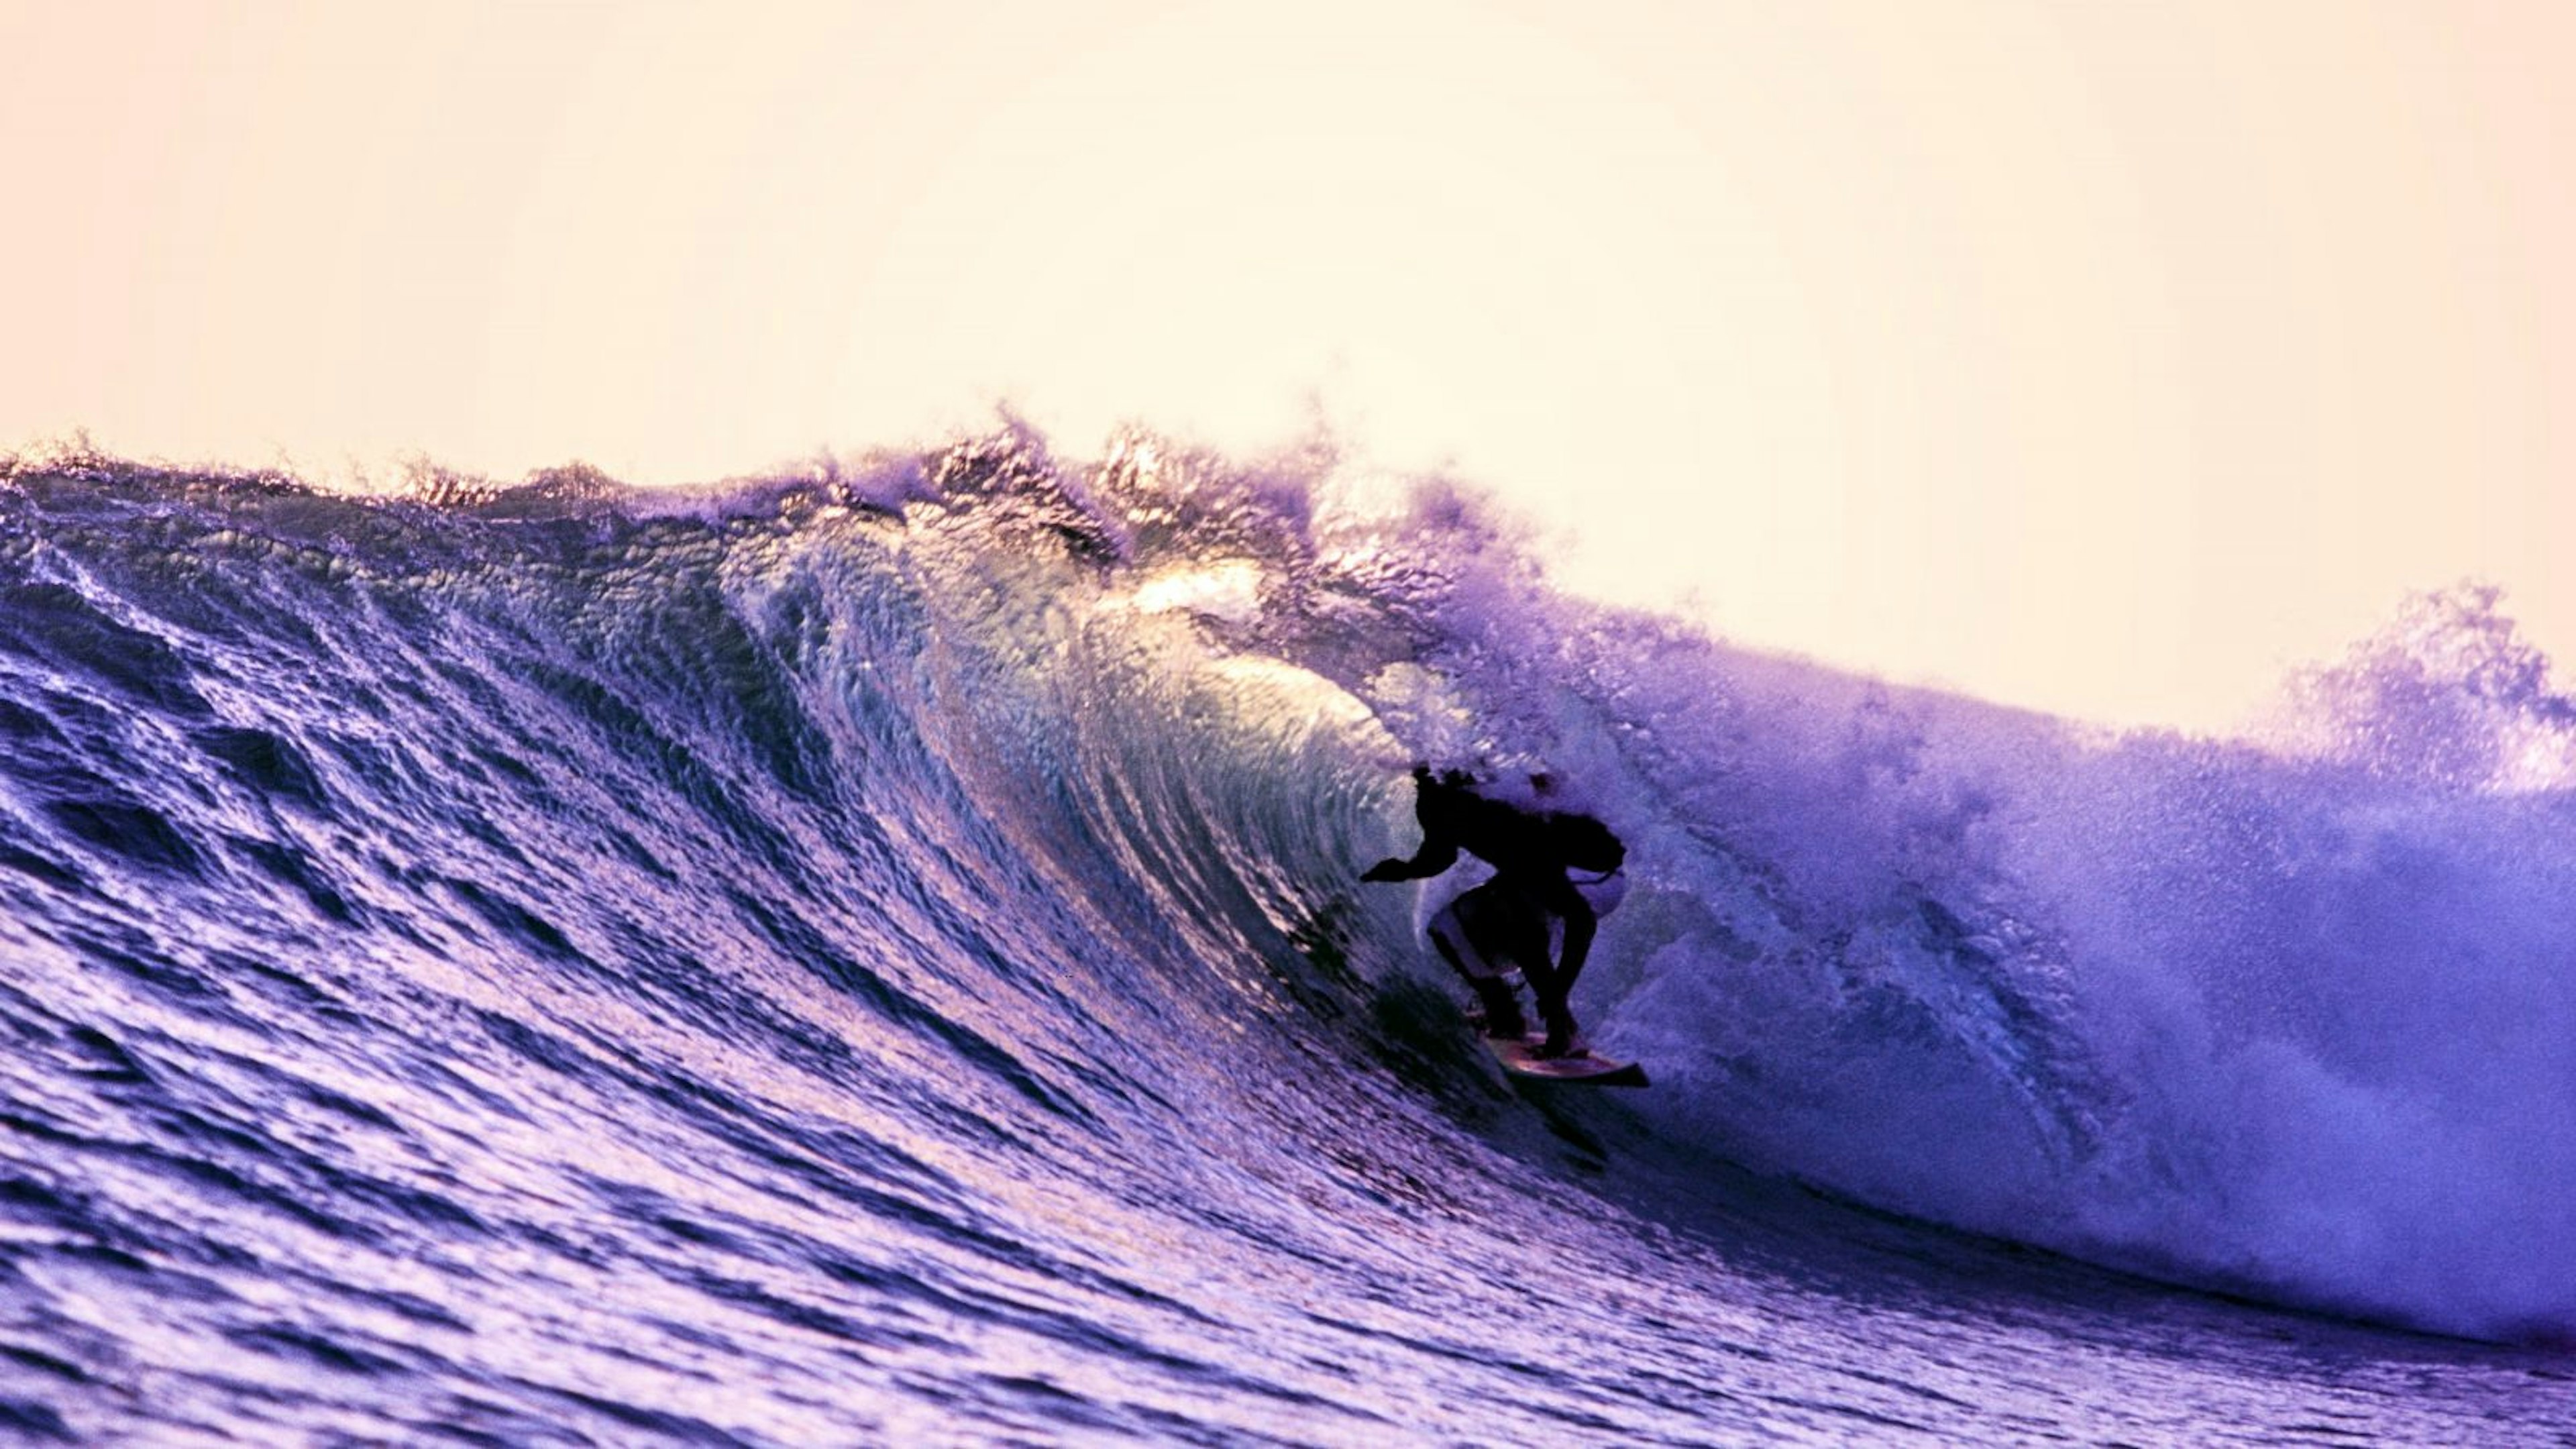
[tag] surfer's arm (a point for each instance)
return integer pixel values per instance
(1436, 808)
(1436, 855)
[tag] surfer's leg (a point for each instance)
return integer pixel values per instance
(1552, 990)
(1502, 1006)
(1556, 989)
(1507, 929)
(1549, 981)
(1454, 939)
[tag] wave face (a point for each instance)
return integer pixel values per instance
(877, 954)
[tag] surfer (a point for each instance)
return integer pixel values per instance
(1502, 925)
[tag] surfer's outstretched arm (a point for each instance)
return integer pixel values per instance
(1435, 856)
(1435, 806)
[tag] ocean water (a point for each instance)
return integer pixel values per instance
(875, 956)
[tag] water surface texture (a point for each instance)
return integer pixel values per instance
(876, 957)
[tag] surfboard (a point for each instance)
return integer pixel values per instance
(1583, 1067)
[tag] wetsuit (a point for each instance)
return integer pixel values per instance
(1505, 920)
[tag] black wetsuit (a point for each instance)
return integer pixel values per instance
(1506, 918)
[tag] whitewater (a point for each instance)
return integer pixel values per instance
(875, 954)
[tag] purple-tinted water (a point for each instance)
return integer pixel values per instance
(876, 959)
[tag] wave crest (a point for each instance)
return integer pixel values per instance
(1042, 760)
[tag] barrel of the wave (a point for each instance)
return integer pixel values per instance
(1557, 871)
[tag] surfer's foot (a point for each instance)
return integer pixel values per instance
(1560, 1039)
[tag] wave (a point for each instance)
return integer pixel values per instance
(1059, 773)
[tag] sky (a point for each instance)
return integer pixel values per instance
(2100, 357)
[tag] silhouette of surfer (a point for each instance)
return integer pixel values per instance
(1502, 925)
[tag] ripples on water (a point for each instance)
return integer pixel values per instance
(873, 960)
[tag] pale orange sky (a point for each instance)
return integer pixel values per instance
(2102, 357)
